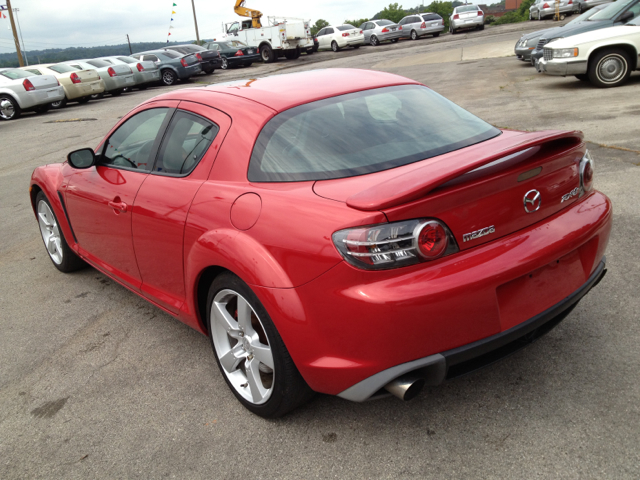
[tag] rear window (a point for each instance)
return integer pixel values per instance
(98, 63)
(172, 54)
(431, 16)
(382, 23)
(62, 68)
(361, 133)
(342, 28)
(15, 74)
(469, 8)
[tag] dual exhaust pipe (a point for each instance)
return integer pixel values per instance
(405, 387)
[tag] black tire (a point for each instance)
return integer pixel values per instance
(355, 47)
(289, 390)
(248, 64)
(209, 71)
(225, 63)
(97, 96)
(267, 54)
(117, 93)
(309, 51)
(84, 99)
(292, 54)
(143, 88)
(9, 108)
(168, 77)
(40, 109)
(59, 104)
(609, 68)
(436, 35)
(481, 27)
(414, 35)
(395, 40)
(583, 77)
(70, 262)
(334, 46)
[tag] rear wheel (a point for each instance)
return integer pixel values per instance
(59, 104)
(225, 63)
(84, 99)
(249, 351)
(373, 40)
(609, 68)
(436, 35)
(292, 54)
(481, 27)
(414, 35)
(267, 53)
(116, 93)
(334, 46)
(9, 108)
(168, 77)
(59, 251)
(42, 108)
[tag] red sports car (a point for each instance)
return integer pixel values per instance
(339, 231)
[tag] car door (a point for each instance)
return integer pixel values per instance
(329, 37)
(183, 162)
(367, 30)
(99, 199)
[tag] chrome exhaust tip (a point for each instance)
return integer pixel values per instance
(406, 387)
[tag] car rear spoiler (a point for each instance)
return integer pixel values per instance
(436, 171)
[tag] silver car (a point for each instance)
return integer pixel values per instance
(21, 90)
(115, 77)
(377, 31)
(144, 72)
(466, 16)
(417, 25)
(547, 8)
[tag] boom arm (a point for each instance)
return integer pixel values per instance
(255, 15)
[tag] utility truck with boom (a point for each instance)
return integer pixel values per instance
(281, 36)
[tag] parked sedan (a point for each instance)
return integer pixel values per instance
(78, 85)
(115, 77)
(144, 73)
(604, 57)
(419, 25)
(528, 42)
(209, 60)
(21, 91)
(613, 14)
(172, 65)
(464, 17)
(304, 222)
(378, 31)
(547, 8)
(340, 37)
(234, 53)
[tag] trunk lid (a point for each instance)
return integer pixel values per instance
(42, 82)
(476, 189)
(122, 70)
(147, 65)
(191, 59)
(87, 75)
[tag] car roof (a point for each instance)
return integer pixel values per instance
(281, 92)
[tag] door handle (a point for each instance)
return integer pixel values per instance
(121, 206)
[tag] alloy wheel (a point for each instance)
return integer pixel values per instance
(242, 347)
(225, 63)
(50, 232)
(7, 109)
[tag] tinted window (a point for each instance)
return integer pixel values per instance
(329, 31)
(402, 22)
(15, 73)
(188, 138)
(127, 59)
(172, 54)
(62, 68)
(382, 23)
(321, 32)
(132, 143)
(237, 44)
(362, 133)
(98, 63)
(468, 8)
(431, 16)
(342, 28)
(152, 58)
(34, 71)
(612, 10)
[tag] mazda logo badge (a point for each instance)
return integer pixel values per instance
(532, 201)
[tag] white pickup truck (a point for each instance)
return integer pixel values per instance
(283, 36)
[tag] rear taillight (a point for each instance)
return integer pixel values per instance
(400, 27)
(393, 245)
(112, 72)
(456, 17)
(74, 78)
(546, 5)
(199, 57)
(361, 32)
(345, 34)
(480, 13)
(28, 86)
(140, 67)
(385, 30)
(570, 2)
(58, 81)
(183, 62)
(239, 53)
(586, 173)
(424, 25)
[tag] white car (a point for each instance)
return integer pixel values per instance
(604, 57)
(20, 90)
(340, 37)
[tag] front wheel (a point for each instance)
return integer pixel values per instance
(249, 351)
(334, 46)
(168, 77)
(583, 77)
(9, 108)
(609, 68)
(59, 251)
(85, 99)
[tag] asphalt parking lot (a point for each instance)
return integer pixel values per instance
(97, 383)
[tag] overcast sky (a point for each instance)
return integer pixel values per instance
(70, 23)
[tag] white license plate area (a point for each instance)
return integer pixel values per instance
(52, 93)
(250, 52)
(128, 80)
(94, 88)
(435, 24)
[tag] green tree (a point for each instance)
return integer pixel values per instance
(394, 12)
(319, 25)
(356, 23)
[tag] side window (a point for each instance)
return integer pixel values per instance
(321, 32)
(132, 143)
(403, 21)
(34, 71)
(329, 31)
(152, 58)
(187, 140)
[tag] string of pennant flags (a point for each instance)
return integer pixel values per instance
(173, 12)
(3, 7)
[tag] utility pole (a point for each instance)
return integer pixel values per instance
(129, 42)
(195, 20)
(24, 50)
(15, 34)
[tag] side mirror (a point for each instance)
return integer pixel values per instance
(626, 16)
(83, 158)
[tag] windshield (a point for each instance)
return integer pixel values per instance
(612, 10)
(62, 68)
(584, 16)
(470, 8)
(15, 74)
(382, 23)
(342, 28)
(361, 133)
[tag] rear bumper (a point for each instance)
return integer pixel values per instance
(355, 41)
(561, 68)
(243, 60)
(550, 12)
(187, 72)
(84, 89)
(39, 97)
(383, 37)
(523, 53)
(468, 23)
(438, 368)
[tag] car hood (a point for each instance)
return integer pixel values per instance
(577, 29)
(602, 34)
